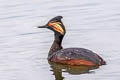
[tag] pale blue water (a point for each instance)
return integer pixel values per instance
(91, 24)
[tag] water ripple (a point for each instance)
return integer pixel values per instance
(91, 24)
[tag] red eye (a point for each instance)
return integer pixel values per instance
(49, 25)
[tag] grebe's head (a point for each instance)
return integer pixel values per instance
(56, 25)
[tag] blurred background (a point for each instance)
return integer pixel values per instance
(91, 24)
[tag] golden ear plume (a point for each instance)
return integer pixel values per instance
(57, 27)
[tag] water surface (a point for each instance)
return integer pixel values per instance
(24, 48)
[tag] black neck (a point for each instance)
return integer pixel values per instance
(56, 44)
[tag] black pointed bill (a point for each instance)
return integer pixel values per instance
(45, 26)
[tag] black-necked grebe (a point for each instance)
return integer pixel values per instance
(70, 56)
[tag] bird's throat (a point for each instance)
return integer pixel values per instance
(56, 44)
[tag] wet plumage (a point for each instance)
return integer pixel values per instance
(76, 54)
